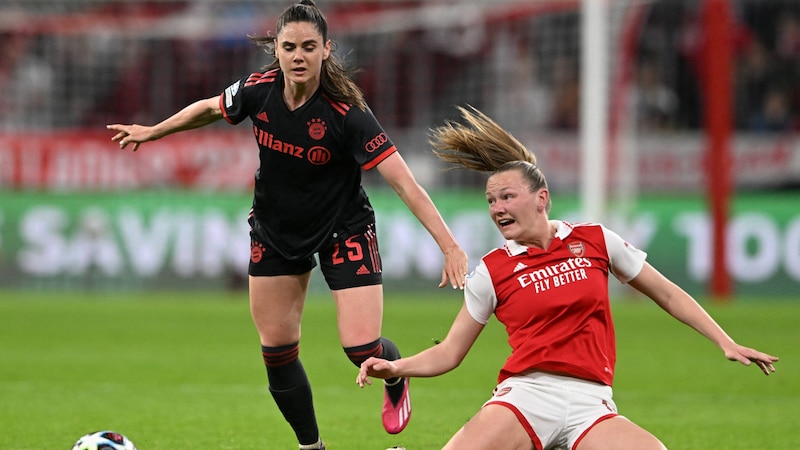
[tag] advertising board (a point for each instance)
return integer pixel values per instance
(172, 239)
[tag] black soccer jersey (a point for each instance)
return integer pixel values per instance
(308, 185)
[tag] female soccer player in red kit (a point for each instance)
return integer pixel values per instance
(549, 286)
(315, 135)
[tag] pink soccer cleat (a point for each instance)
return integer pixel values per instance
(396, 416)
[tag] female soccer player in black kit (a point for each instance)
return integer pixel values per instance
(315, 134)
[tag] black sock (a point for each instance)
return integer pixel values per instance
(291, 390)
(393, 388)
(379, 348)
(361, 353)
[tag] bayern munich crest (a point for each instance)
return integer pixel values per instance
(316, 129)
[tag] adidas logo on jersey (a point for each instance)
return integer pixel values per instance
(362, 270)
(262, 116)
(519, 267)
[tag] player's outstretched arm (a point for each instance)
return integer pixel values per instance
(441, 358)
(683, 307)
(395, 171)
(198, 114)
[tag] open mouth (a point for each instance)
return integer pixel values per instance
(505, 222)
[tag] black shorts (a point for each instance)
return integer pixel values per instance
(350, 261)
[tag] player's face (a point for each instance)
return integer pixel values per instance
(512, 205)
(300, 51)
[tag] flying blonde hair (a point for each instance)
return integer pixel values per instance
(479, 143)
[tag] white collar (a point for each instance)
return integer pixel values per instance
(563, 229)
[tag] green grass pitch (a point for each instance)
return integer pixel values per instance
(184, 371)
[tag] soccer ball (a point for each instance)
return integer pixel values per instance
(104, 440)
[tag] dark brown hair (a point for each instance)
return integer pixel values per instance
(335, 78)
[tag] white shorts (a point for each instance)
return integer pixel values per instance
(555, 410)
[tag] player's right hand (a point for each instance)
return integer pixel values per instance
(377, 368)
(129, 134)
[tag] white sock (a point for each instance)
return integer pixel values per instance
(399, 380)
(314, 446)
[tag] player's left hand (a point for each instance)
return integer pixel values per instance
(746, 356)
(455, 268)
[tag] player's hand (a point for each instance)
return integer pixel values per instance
(455, 268)
(130, 134)
(747, 356)
(377, 368)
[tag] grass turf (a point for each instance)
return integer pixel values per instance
(183, 371)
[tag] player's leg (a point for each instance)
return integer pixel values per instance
(494, 427)
(276, 305)
(359, 313)
(359, 317)
(352, 269)
(619, 433)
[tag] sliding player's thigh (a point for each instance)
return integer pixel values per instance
(494, 427)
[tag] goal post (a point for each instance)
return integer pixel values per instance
(594, 109)
(609, 182)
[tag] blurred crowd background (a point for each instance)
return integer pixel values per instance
(75, 211)
(78, 64)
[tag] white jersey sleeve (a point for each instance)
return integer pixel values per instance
(625, 260)
(479, 295)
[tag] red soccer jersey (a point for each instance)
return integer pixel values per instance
(554, 303)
